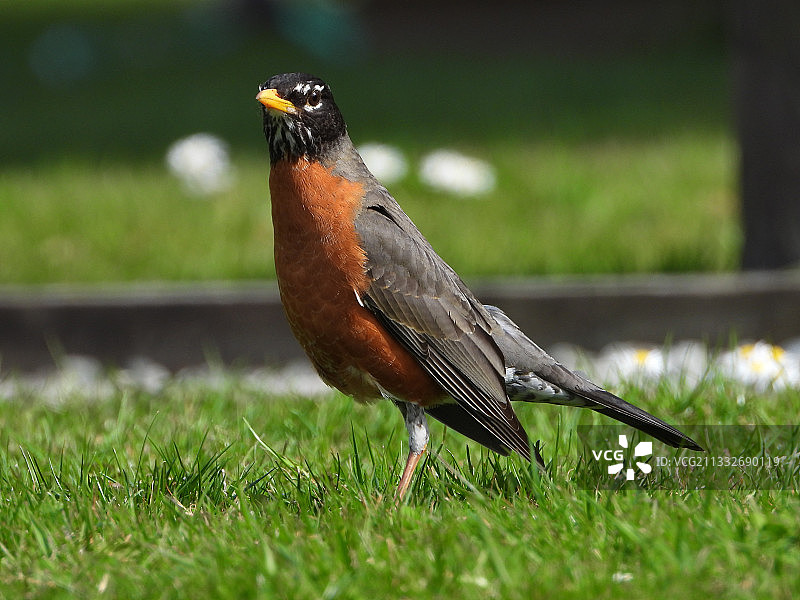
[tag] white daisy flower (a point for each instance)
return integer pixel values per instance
(202, 164)
(450, 171)
(761, 365)
(385, 162)
(686, 361)
(621, 362)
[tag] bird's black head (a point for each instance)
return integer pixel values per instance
(300, 116)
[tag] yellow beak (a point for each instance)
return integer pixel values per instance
(271, 100)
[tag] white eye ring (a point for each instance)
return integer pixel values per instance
(314, 99)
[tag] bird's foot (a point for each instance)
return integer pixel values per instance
(418, 437)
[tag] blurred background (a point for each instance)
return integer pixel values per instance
(608, 131)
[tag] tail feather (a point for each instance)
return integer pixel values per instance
(612, 406)
(533, 375)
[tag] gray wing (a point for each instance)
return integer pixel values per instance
(424, 304)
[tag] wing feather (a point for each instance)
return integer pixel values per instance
(426, 306)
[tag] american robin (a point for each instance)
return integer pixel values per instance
(380, 314)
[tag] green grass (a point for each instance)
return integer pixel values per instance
(556, 206)
(227, 493)
(614, 164)
(605, 165)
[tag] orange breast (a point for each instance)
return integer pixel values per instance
(320, 268)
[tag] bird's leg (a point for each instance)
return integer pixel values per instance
(418, 437)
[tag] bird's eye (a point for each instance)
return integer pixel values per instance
(314, 99)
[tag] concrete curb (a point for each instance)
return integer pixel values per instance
(180, 325)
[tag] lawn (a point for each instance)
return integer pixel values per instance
(630, 154)
(219, 490)
(222, 490)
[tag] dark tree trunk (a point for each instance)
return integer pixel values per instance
(766, 39)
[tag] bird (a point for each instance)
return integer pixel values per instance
(380, 314)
